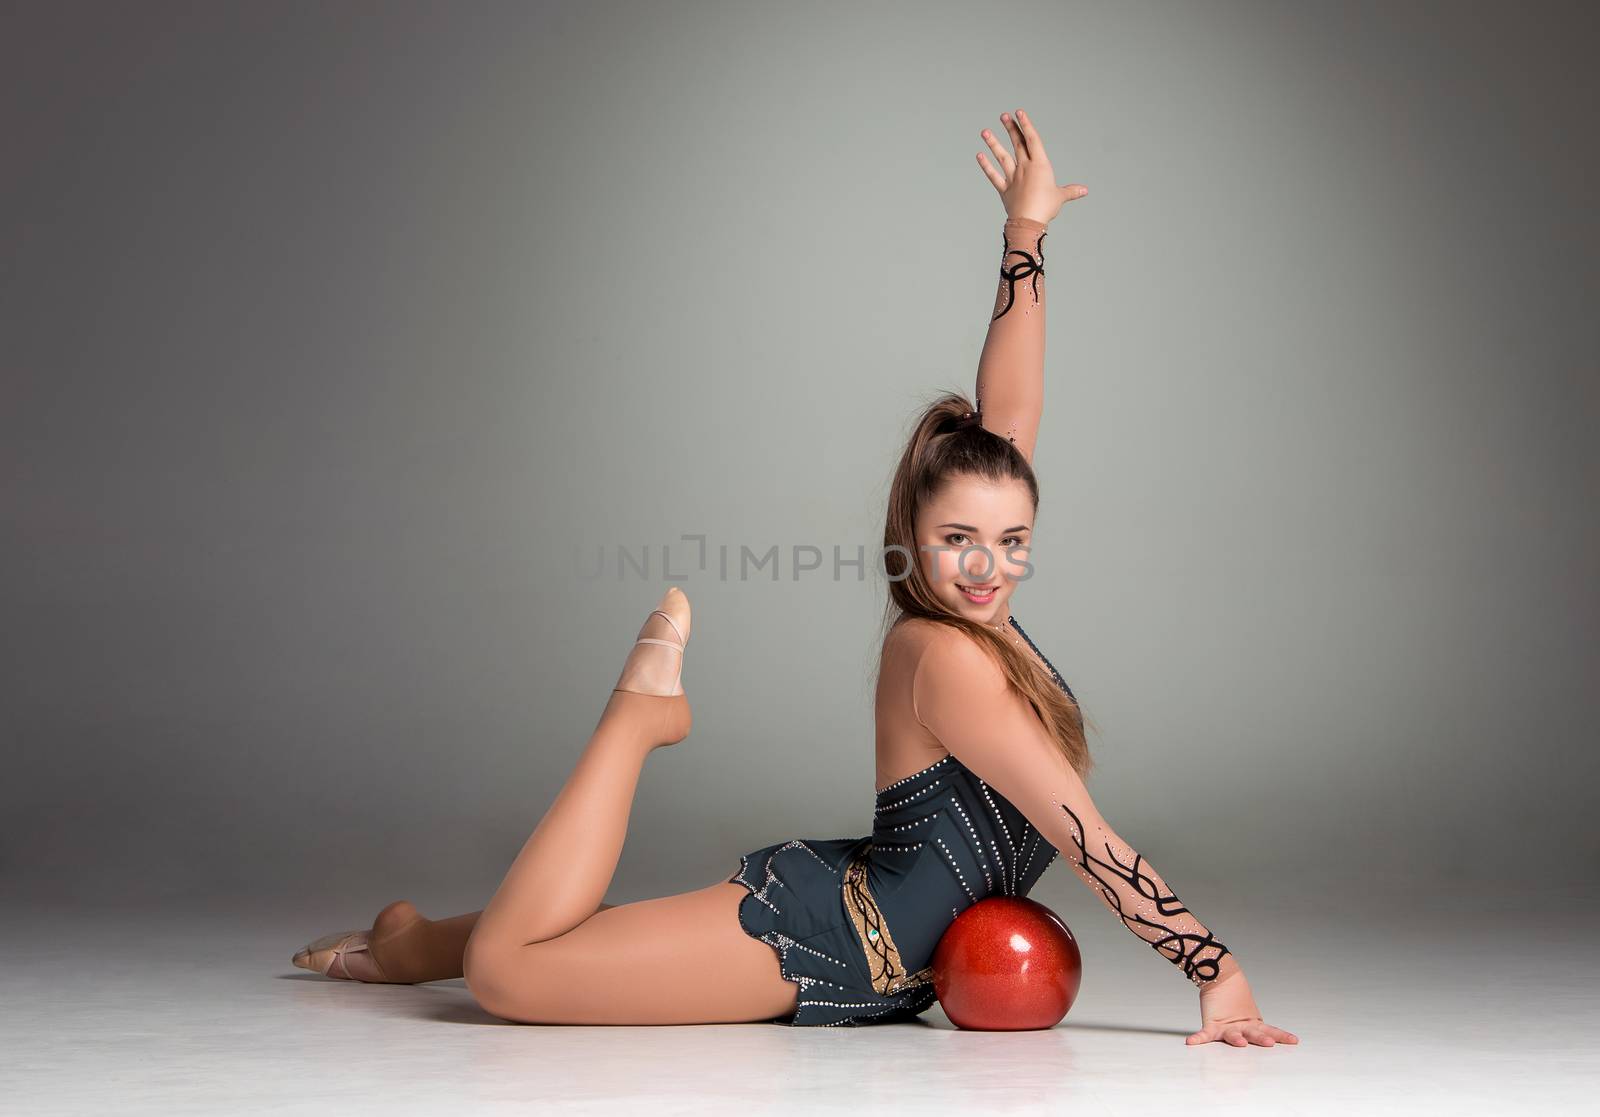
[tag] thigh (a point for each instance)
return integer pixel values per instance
(680, 959)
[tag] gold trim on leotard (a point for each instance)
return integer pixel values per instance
(887, 971)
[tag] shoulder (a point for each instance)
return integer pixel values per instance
(914, 637)
(948, 658)
(962, 694)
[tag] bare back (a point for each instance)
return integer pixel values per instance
(904, 745)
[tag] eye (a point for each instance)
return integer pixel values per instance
(1015, 540)
(952, 537)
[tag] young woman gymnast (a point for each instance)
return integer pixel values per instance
(980, 763)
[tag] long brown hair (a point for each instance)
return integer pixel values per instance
(945, 442)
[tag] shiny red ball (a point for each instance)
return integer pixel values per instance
(1007, 963)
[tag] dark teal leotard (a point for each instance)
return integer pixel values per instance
(855, 921)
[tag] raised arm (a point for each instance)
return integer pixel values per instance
(1010, 388)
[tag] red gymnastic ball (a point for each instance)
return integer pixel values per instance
(1007, 964)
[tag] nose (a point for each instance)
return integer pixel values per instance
(978, 566)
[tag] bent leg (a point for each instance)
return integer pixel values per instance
(680, 959)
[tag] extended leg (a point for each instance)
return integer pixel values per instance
(403, 947)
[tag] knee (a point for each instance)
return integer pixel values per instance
(484, 967)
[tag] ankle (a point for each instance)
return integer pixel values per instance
(412, 952)
(644, 721)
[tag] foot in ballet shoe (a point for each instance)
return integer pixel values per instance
(343, 955)
(651, 685)
(359, 955)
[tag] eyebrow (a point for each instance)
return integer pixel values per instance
(969, 527)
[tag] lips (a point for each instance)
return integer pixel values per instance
(979, 594)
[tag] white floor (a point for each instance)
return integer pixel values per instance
(1407, 1004)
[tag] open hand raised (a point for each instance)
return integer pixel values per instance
(1026, 181)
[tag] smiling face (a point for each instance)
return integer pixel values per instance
(976, 535)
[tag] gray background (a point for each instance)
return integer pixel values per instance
(330, 332)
